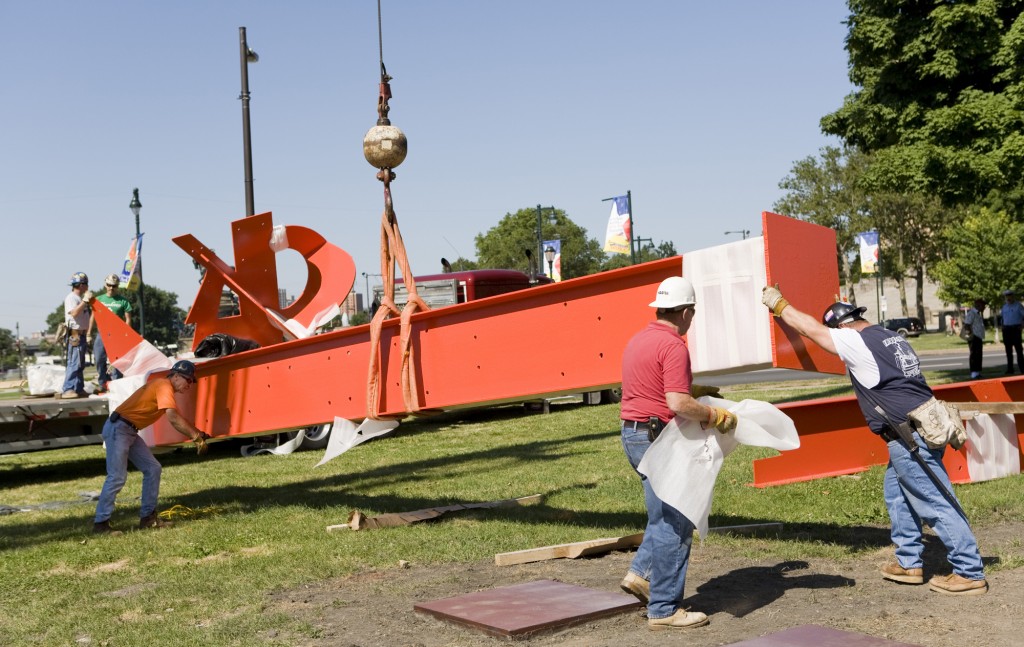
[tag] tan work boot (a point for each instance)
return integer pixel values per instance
(103, 528)
(70, 395)
(897, 573)
(636, 586)
(681, 619)
(153, 521)
(954, 584)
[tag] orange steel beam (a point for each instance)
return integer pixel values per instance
(548, 340)
(835, 440)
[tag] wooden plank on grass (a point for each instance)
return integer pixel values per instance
(568, 551)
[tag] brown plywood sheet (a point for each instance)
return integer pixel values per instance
(522, 610)
(815, 636)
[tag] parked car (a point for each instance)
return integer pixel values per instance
(905, 326)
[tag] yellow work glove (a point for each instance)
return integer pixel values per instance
(200, 441)
(698, 390)
(771, 297)
(88, 297)
(722, 419)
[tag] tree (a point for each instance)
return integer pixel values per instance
(8, 349)
(940, 102)
(504, 245)
(984, 258)
(164, 319)
(826, 191)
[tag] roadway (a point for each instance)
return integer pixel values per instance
(930, 361)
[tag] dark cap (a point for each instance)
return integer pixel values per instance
(840, 313)
(184, 368)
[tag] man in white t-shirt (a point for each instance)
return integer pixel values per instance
(886, 372)
(77, 306)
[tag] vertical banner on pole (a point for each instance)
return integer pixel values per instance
(129, 273)
(617, 235)
(868, 251)
(554, 269)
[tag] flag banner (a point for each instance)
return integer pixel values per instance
(868, 251)
(130, 270)
(554, 267)
(616, 238)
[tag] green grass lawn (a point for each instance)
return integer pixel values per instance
(248, 527)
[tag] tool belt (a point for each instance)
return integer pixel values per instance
(117, 417)
(653, 427)
(888, 435)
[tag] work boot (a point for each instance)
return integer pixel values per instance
(69, 395)
(153, 521)
(103, 528)
(636, 586)
(954, 584)
(897, 573)
(681, 619)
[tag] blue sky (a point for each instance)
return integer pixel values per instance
(699, 108)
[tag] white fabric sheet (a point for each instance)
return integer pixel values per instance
(992, 447)
(731, 330)
(345, 435)
(683, 463)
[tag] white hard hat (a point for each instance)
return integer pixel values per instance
(112, 280)
(675, 291)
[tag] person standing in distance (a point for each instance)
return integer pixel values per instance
(974, 319)
(76, 318)
(123, 309)
(886, 371)
(121, 438)
(657, 385)
(1013, 317)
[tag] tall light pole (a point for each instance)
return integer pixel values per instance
(540, 235)
(136, 207)
(367, 275)
(745, 232)
(247, 56)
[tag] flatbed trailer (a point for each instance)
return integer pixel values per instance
(49, 422)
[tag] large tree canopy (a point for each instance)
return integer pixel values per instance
(504, 245)
(984, 259)
(940, 103)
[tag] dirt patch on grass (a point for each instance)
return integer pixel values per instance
(745, 598)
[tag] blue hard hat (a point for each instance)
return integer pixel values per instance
(184, 368)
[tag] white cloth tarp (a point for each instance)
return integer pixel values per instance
(44, 379)
(992, 447)
(683, 463)
(345, 435)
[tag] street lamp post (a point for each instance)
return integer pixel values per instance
(247, 56)
(744, 232)
(367, 275)
(540, 235)
(136, 207)
(549, 256)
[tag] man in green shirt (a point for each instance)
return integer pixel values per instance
(122, 308)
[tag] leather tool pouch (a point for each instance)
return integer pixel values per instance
(654, 427)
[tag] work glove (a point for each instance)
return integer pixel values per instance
(88, 297)
(698, 390)
(771, 297)
(200, 441)
(88, 339)
(722, 419)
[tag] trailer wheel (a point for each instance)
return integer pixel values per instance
(317, 436)
(611, 396)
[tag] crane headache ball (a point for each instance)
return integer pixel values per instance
(385, 146)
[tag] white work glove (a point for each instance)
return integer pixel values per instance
(771, 297)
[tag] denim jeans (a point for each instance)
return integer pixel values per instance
(912, 498)
(74, 374)
(124, 444)
(99, 353)
(664, 553)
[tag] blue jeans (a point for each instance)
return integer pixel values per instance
(124, 444)
(664, 553)
(99, 353)
(74, 374)
(912, 498)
